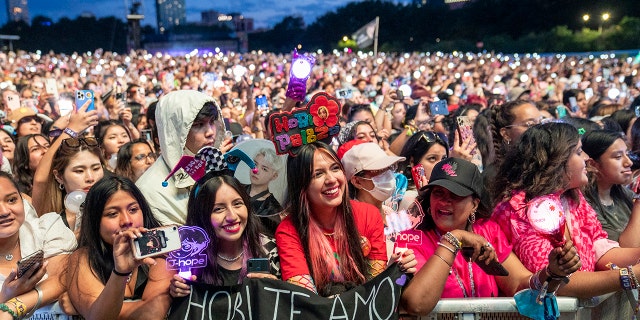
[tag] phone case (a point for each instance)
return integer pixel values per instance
(439, 107)
(465, 130)
(259, 265)
(156, 242)
(51, 87)
(13, 102)
(417, 172)
(29, 261)
(494, 268)
(82, 96)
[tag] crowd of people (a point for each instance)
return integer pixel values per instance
(462, 148)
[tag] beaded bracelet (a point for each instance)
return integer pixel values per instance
(634, 279)
(5, 308)
(449, 237)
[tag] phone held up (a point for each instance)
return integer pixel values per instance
(417, 172)
(156, 242)
(82, 96)
(30, 261)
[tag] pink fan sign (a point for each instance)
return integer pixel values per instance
(547, 218)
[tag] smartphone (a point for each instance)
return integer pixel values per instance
(494, 268)
(82, 96)
(465, 130)
(588, 93)
(156, 242)
(258, 265)
(344, 94)
(439, 107)
(146, 133)
(574, 104)
(51, 87)
(400, 94)
(417, 172)
(29, 103)
(28, 262)
(561, 111)
(65, 106)
(261, 102)
(13, 102)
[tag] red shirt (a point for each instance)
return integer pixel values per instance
(290, 249)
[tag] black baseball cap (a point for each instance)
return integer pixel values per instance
(458, 176)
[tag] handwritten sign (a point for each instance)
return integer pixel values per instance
(274, 299)
(318, 121)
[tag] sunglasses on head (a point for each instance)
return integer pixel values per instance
(429, 136)
(77, 142)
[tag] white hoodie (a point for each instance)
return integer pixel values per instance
(174, 116)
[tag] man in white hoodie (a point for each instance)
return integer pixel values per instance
(187, 120)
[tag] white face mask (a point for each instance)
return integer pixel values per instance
(384, 185)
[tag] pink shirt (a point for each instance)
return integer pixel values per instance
(424, 245)
(533, 248)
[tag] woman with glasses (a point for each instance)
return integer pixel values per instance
(72, 163)
(134, 158)
(607, 192)
(29, 151)
(424, 148)
(25, 121)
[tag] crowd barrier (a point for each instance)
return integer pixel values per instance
(609, 306)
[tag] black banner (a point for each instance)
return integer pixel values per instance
(258, 299)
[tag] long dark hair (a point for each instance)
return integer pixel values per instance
(500, 117)
(596, 143)
(415, 148)
(299, 176)
(21, 162)
(99, 252)
(537, 163)
(201, 202)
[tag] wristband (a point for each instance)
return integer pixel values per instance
(625, 281)
(21, 308)
(634, 279)
(5, 308)
(553, 276)
(70, 132)
(122, 274)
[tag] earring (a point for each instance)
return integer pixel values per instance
(508, 141)
(61, 187)
(472, 218)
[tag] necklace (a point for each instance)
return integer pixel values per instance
(608, 203)
(9, 256)
(329, 234)
(227, 259)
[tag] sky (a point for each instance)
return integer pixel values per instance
(266, 13)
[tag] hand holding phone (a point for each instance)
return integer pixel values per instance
(83, 96)
(465, 131)
(258, 265)
(156, 242)
(494, 268)
(417, 173)
(33, 260)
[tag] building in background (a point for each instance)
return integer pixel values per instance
(234, 21)
(18, 10)
(170, 13)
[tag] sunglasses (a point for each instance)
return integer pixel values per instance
(429, 136)
(78, 142)
(29, 119)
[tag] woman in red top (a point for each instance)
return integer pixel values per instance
(327, 243)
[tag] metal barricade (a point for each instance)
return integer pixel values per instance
(609, 306)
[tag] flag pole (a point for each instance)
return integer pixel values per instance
(375, 38)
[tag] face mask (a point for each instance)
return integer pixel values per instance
(383, 185)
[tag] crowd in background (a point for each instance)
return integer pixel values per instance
(511, 129)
